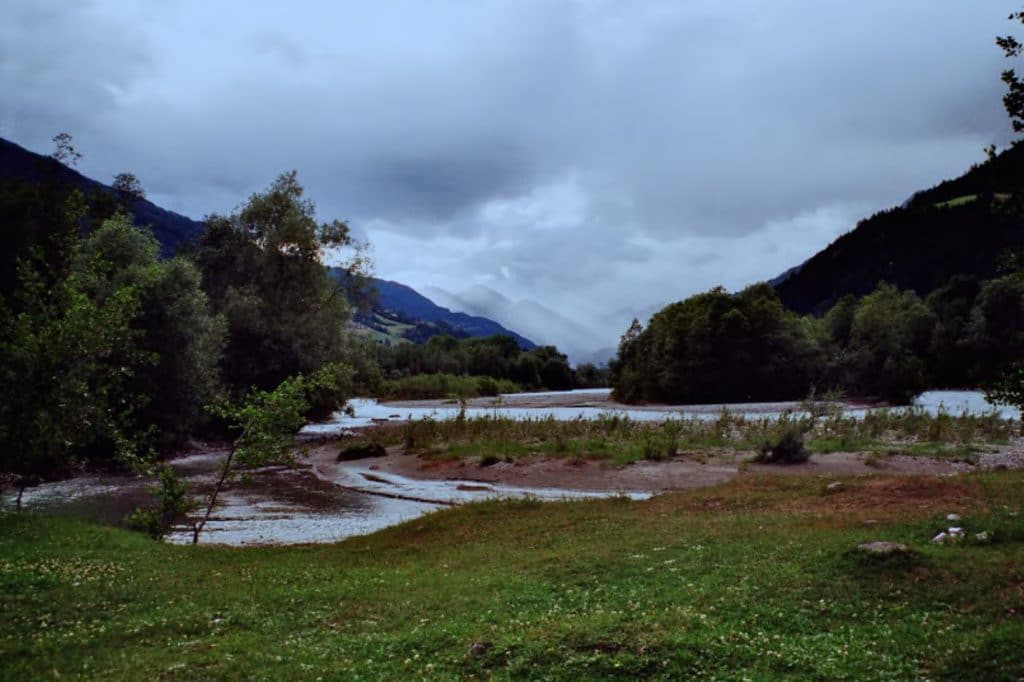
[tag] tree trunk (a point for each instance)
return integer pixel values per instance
(21, 491)
(213, 496)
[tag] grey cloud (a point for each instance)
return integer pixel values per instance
(441, 186)
(276, 44)
(64, 66)
(705, 142)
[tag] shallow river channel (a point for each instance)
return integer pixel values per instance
(308, 504)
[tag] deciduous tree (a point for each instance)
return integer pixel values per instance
(263, 269)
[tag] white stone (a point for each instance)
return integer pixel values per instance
(883, 548)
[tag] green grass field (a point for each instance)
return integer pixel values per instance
(752, 580)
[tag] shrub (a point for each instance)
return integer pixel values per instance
(361, 451)
(786, 446)
(172, 504)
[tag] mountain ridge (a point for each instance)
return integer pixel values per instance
(398, 305)
(171, 229)
(957, 227)
(397, 301)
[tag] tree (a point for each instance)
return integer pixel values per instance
(718, 346)
(266, 422)
(1009, 388)
(174, 323)
(65, 151)
(65, 363)
(128, 186)
(889, 340)
(1013, 100)
(41, 223)
(953, 352)
(262, 267)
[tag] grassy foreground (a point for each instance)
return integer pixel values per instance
(755, 579)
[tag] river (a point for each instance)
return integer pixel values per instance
(594, 403)
(305, 505)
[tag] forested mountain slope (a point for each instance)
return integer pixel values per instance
(171, 229)
(961, 226)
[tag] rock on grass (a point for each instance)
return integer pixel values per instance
(884, 549)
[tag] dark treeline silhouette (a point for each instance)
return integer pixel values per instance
(890, 344)
(497, 357)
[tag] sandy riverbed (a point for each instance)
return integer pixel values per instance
(684, 472)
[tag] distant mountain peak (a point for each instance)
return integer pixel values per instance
(403, 301)
(402, 313)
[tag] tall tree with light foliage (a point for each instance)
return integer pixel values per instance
(263, 268)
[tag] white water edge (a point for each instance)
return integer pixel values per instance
(374, 501)
(367, 411)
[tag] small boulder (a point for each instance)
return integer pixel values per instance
(952, 518)
(881, 548)
(983, 537)
(361, 452)
(834, 487)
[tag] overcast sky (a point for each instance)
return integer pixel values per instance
(594, 157)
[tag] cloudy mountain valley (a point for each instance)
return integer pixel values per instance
(562, 339)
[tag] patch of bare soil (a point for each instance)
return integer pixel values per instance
(682, 473)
